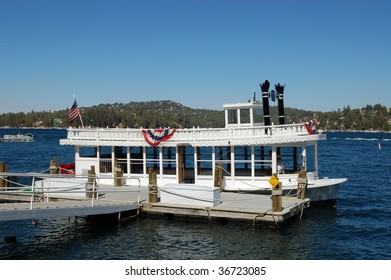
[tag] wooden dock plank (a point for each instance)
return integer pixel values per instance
(233, 206)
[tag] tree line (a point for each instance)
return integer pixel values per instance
(154, 114)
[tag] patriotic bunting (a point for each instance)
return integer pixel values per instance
(311, 127)
(155, 136)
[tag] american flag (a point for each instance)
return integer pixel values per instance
(74, 112)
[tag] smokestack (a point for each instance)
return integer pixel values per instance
(265, 100)
(280, 95)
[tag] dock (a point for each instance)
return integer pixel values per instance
(62, 196)
(233, 206)
(58, 209)
(56, 196)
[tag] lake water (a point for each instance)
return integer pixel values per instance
(358, 228)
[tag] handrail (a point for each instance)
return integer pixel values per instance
(80, 186)
(207, 134)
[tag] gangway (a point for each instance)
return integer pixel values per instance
(56, 195)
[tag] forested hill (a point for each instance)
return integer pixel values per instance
(167, 113)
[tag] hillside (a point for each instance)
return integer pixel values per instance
(166, 113)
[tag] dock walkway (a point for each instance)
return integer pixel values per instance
(57, 209)
(59, 196)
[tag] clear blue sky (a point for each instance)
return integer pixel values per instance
(200, 53)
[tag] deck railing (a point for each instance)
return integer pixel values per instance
(67, 190)
(133, 135)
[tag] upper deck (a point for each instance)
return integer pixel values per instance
(198, 137)
(243, 126)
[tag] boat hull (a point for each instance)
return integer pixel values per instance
(321, 192)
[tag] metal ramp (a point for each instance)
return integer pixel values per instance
(53, 196)
(56, 209)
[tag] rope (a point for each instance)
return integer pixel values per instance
(15, 182)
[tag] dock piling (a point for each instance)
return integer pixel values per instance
(53, 166)
(218, 178)
(2, 181)
(302, 182)
(277, 198)
(90, 183)
(118, 174)
(152, 186)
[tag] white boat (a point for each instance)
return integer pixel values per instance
(28, 137)
(247, 150)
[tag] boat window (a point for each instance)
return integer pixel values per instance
(105, 163)
(310, 158)
(245, 116)
(232, 117)
(243, 160)
(169, 160)
(87, 152)
(153, 159)
(105, 152)
(223, 156)
(204, 161)
(136, 160)
(120, 152)
(258, 115)
(262, 160)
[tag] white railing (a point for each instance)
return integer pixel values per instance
(45, 186)
(133, 135)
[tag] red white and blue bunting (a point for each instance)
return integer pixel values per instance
(311, 127)
(155, 136)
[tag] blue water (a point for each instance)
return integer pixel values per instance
(358, 228)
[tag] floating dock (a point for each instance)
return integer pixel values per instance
(235, 206)
(52, 198)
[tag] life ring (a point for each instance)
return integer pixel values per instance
(311, 127)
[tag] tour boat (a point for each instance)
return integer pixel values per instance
(248, 150)
(28, 137)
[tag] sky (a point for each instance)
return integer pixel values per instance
(200, 53)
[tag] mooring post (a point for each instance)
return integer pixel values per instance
(2, 181)
(152, 186)
(302, 182)
(218, 178)
(53, 166)
(276, 193)
(91, 189)
(277, 198)
(118, 174)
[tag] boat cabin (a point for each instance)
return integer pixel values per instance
(247, 151)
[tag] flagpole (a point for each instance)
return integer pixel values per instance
(81, 120)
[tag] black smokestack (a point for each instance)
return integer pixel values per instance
(280, 95)
(265, 100)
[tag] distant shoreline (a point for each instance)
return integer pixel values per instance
(321, 130)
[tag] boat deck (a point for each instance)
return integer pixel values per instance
(237, 206)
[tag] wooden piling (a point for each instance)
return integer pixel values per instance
(302, 182)
(218, 178)
(118, 174)
(53, 166)
(152, 186)
(2, 181)
(277, 198)
(90, 183)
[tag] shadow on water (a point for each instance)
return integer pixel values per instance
(150, 238)
(54, 238)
